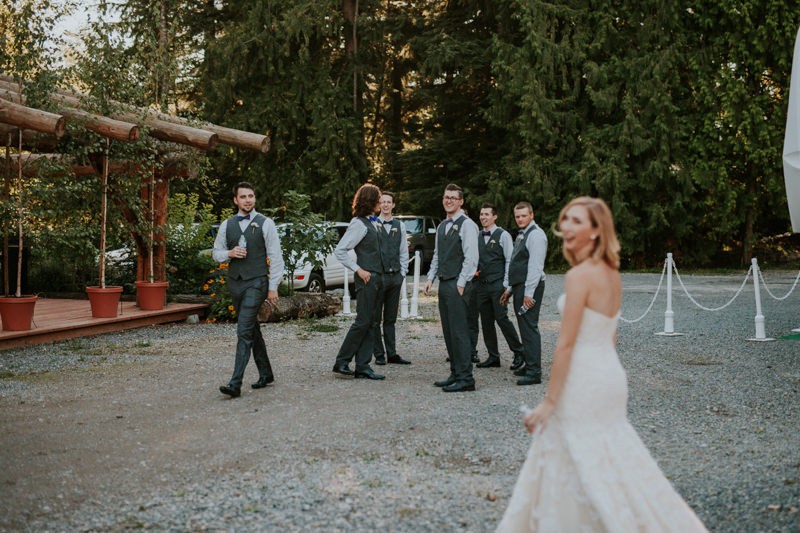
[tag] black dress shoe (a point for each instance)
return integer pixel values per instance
(529, 380)
(262, 382)
(518, 361)
(380, 360)
(475, 358)
(233, 392)
(368, 373)
(397, 360)
(460, 386)
(343, 369)
(519, 371)
(445, 382)
(489, 363)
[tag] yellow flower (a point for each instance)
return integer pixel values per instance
(205, 287)
(222, 281)
(230, 308)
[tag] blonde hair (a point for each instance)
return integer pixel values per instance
(606, 245)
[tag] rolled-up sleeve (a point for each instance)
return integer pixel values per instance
(274, 253)
(537, 253)
(403, 249)
(469, 246)
(220, 251)
(507, 244)
(352, 236)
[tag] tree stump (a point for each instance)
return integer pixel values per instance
(299, 305)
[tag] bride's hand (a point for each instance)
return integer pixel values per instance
(537, 419)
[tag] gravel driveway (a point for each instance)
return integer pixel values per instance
(128, 431)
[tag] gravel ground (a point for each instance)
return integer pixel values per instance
(128, 431)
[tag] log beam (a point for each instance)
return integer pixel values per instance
(32, 119)
(233, 137)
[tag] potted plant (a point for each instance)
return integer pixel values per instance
(16, 310)
(151, 295)
(104, 299)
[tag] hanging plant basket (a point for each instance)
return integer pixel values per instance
(151, 295)
(16, 314)
(104, 300)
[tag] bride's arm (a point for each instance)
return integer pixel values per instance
(576, 288)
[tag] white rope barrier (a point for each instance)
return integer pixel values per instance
(414, 311)
(346, 297)
(404, 295)
(779, 298)
(653, 301)
(761, 334)
(758, 280)
(695, 302)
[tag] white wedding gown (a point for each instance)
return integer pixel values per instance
(588, 470)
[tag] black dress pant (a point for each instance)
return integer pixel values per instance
(528, 323)
(491, 311)
(454, 315)
(387, 308)
(359, 339)
(247, 296)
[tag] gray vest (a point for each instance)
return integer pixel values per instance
(492, 260)
(368, 251)
(518, 269)
(255, 264)
(390, 246)
(451, 255)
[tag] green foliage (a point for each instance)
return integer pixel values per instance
(305, 238)
(189, 239)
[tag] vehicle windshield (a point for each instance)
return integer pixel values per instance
(413, 225)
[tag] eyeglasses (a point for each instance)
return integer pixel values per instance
(453, 198)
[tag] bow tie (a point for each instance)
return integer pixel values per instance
(386, 221)
(243, 217)
(486, 233)
(372, 218)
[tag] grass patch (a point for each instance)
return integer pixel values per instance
(6, 374)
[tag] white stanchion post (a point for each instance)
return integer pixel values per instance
(669, 315)
(414, 312)
(404, 300)
(346, 297)
(760, 330)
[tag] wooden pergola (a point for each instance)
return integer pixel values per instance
(124, 126)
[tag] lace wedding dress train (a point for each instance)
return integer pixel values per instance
(588, 470)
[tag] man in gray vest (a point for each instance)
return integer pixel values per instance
(494, 249)
(364, 237)
(249, 243)
(455, 260)
(526, 278)
(394, 254)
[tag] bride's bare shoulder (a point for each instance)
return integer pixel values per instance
(591, 271)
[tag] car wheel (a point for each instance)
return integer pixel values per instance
(316, 283)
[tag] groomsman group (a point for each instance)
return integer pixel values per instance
(479, 273)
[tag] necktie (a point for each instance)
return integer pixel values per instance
(243, 217)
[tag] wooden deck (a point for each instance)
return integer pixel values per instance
(57, 319)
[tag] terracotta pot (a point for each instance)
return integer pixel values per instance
(104, 302)
(151, 296)
(17, 313)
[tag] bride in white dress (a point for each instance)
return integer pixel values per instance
(587, 469)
